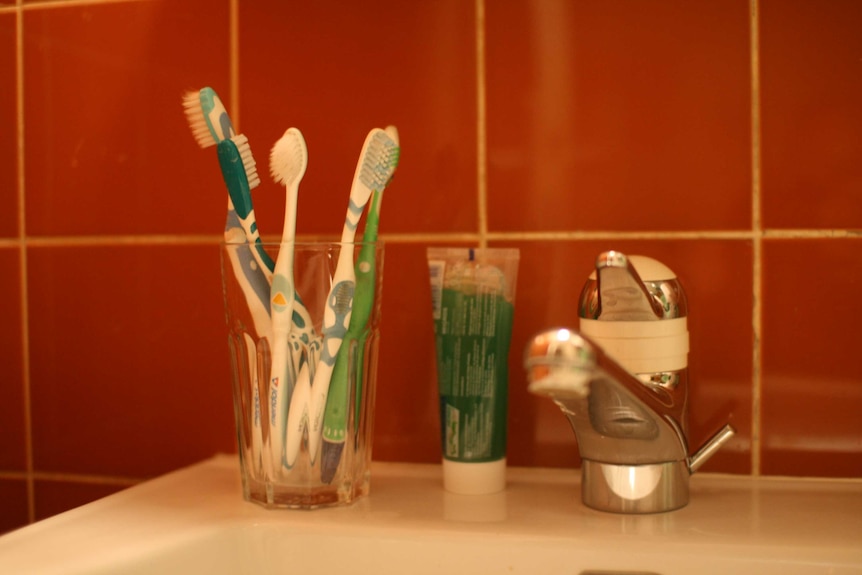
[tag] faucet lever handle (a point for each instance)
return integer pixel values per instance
(622, 294)
(709, 448)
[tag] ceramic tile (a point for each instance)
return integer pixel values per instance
(12, 430)
(108, 149)
(53, 497)
(350, 67)
(13, 504)
(618, 115)
(8, 115)
(129, 363)
(407, 424)
(811, 397)
(810, 116)
(715, 274)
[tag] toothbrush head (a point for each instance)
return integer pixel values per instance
(289, 158)
(392, 132)
(378, 161)
(248, 163)
(233, 152)
(207, 117)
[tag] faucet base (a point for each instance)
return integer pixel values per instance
(649, 488)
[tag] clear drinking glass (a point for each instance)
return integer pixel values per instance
(303, 373)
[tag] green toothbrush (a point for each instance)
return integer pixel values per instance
(335, 416)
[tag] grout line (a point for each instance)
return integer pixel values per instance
(22, 265)
(14, 475)
(607, 234)
(166, 239)
(481, 127)
(49, 4)
(412, 238)
(757, 228)
(86, 478)
(71, 478)
(807, 234)
(233, 62)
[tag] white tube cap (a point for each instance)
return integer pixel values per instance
(474, 478)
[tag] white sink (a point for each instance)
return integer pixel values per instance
(195, 521)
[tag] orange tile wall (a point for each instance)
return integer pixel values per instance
(723, 137)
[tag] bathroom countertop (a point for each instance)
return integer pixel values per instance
(195, 521)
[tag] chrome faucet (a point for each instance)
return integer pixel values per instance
(622, 381)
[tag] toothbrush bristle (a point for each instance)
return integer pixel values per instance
(342, 299)
(248, 163)
(289, 157)
(392, 132)
(380, 161)
(197, 121)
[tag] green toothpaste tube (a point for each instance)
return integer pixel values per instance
(473, 297)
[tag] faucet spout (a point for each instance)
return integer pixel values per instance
(615, 416)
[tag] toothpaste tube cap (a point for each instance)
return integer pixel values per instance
(478, 478)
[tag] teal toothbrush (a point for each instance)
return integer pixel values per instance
(210, 124)
(236, 151)
(351, 350)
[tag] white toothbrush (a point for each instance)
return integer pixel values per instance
(372, 172)
(288, 161)
(297, 415)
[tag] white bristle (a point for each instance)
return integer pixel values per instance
(197, 122)
(288, 158)
(379, 162)
(248, 162)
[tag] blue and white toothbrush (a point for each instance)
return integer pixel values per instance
(288, 161)
(372, 172)
(240, 176)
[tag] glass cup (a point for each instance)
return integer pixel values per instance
(303, 350)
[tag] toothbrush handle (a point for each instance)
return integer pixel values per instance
(252, 234)
(252, 282)
(297, 415)
(335, 322)
(256, 432)
(335, 417)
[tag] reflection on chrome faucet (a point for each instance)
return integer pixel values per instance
(622, 382)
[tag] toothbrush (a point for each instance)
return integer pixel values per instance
(372, 171)
(207, 117)
(238, 166)
(210, 124)
(288, 162)
(370, 236)
(297, 415)
(335, 417)
(256, 428)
